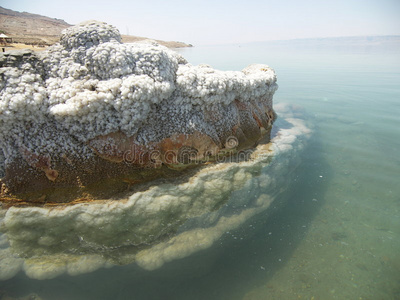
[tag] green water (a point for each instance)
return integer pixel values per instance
(337, 235)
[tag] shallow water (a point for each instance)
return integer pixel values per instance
(335, 232)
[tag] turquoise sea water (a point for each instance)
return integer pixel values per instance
(336, 235)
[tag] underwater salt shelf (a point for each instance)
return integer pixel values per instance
(164, 223)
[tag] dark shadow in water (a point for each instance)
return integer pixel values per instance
(241, 261)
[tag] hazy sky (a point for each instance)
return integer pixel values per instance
(227, 21)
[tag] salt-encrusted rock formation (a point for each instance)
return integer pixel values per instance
(91, 117)
(116, 131)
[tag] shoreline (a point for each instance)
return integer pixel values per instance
(41, 45)
(21, 46)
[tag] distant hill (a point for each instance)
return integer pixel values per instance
(35, 29)
(30, 28)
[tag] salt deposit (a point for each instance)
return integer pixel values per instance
(91, 84)
(60, 107)
(48, 242)
(91, 117)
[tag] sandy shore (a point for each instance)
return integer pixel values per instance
(18, 46)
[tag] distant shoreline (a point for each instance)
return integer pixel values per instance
(169, 44)
(39, 45)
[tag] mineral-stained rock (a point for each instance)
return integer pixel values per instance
(158, 224)
(91, 117)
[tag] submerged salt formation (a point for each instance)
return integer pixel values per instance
(155, 157)
(155, 226)
(91, 116)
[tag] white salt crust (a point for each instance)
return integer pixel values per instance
(91, 84)
(48, 242)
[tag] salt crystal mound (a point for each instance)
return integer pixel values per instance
(69, 115)
(155, 226)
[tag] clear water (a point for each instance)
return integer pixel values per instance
(338, 234)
